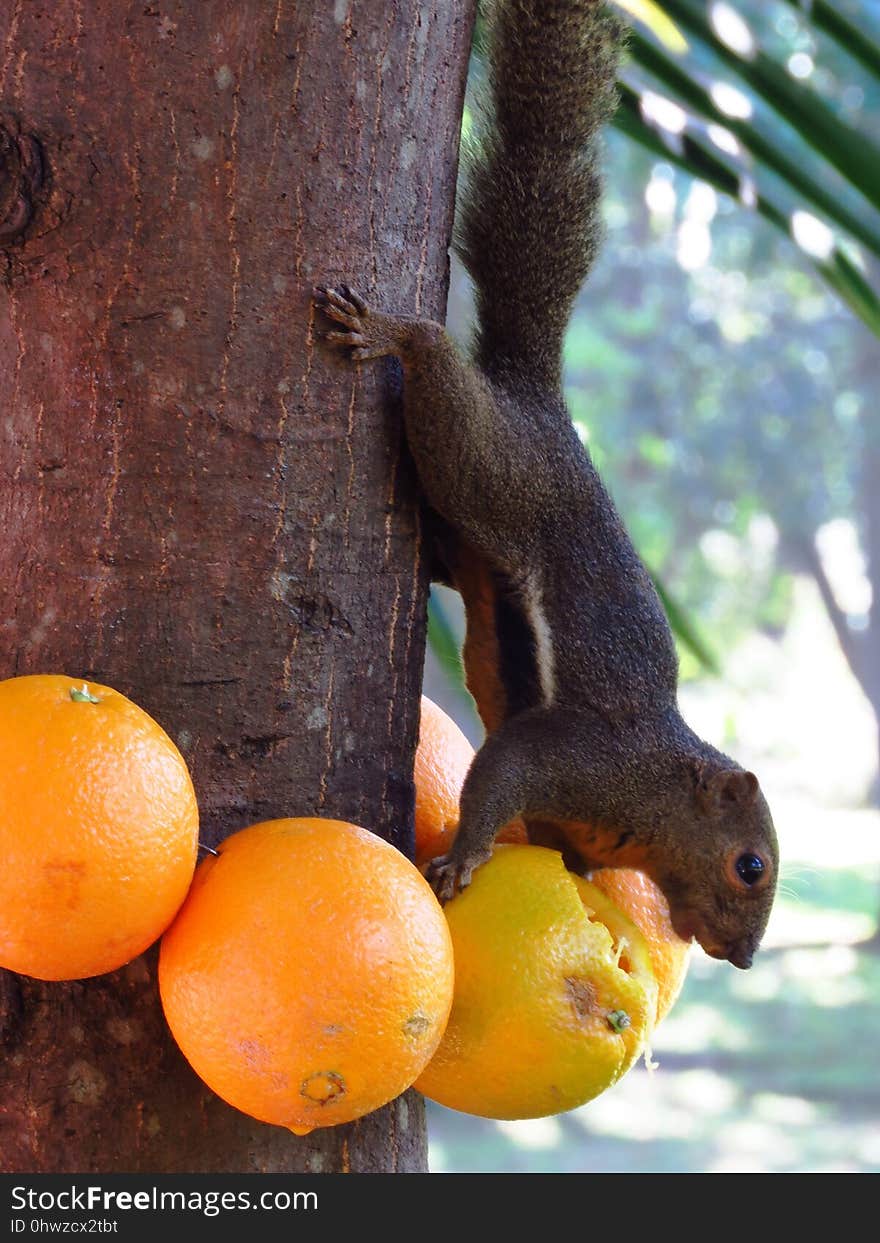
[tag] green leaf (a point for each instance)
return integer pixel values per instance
(826, 17)
(658, 22)
(843, 275)
(684, 629)
(444, 644)
(700, 160)
(760, 147)
(851, 153)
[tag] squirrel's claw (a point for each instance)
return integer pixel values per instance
(447, 875)
(446, 879)
(345, 307)
(355, 299)
(342, 304)
(342, 317)
(368, 336)
(345, 338)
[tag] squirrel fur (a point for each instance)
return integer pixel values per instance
(568, 652)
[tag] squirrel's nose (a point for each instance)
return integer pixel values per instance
(741, 954)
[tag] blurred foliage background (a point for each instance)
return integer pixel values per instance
(723, 367)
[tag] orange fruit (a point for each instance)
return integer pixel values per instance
(554, 993)
(308, 977)
(642, 900)
(443, 758)
(98, 828)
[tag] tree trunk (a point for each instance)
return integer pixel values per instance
(202, 506)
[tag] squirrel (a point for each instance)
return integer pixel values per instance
(568, 652)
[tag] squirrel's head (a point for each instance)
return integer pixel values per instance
(721, 885)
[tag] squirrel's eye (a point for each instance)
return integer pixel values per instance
(747, 871)
(749, 868)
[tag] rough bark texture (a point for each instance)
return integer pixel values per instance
(200, 505)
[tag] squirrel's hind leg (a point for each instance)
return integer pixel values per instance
(479, 455)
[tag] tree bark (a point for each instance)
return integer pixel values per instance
(199, 504)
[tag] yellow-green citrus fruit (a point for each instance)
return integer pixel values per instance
(643, 902)
(554, 993)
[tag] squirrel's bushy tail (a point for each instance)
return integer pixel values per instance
(529, 225)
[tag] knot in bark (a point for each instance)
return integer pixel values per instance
(22, 172)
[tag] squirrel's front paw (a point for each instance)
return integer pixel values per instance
(448, 875)
(347, 308)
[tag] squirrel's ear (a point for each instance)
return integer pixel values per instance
(729, 788)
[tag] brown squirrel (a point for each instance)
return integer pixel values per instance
(568, 651)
